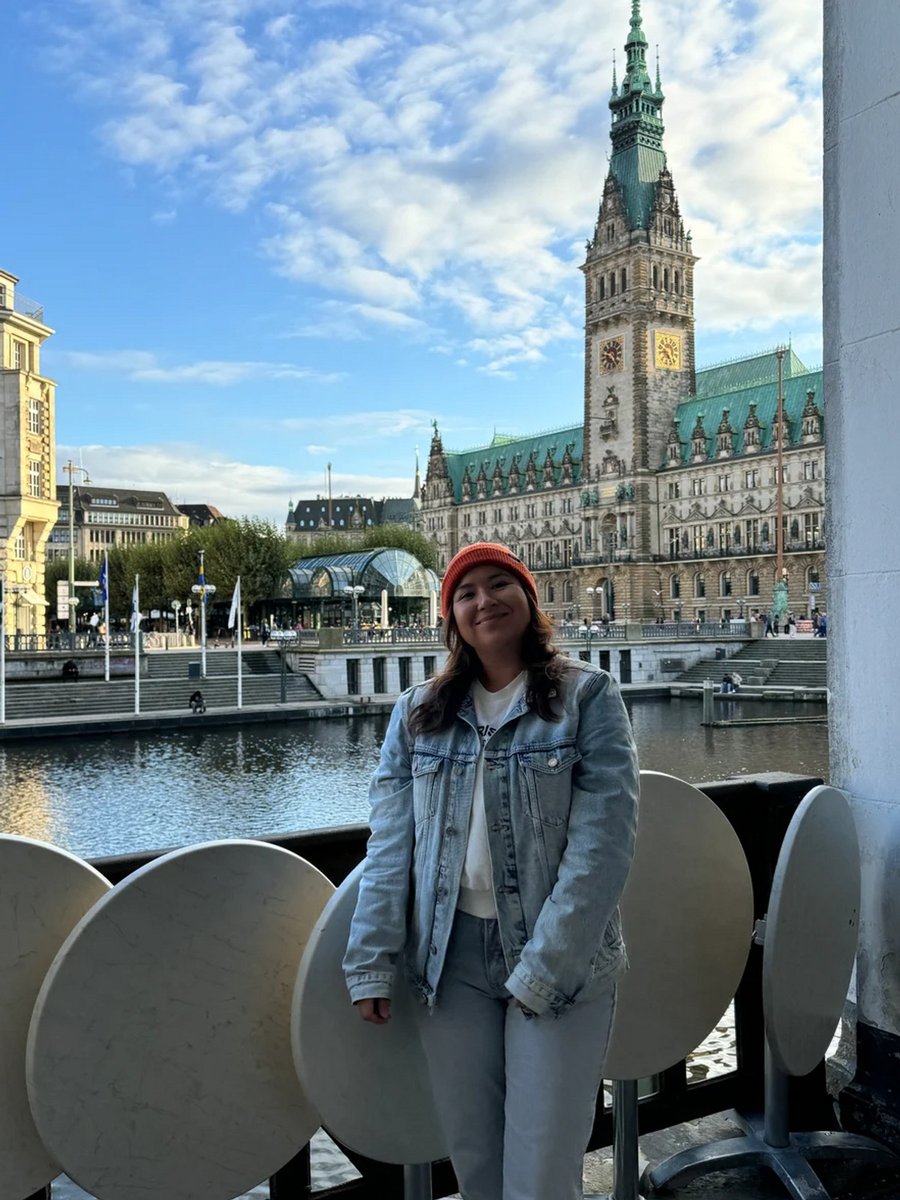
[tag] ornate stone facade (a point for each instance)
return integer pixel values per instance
(662, 501)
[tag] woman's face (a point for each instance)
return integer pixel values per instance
(491, 610)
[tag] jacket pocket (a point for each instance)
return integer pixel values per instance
(548, 782)
(425, 772)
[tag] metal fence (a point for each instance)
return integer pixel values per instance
(62, 640)
(392, 636)
(759, 811)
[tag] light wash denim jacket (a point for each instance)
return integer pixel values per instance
(561, 805)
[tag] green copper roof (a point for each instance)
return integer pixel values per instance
(637, 128)
(744, 372)
(763, 395)
(506, 449)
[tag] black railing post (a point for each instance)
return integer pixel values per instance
(294, 1180)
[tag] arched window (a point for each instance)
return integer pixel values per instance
(812, 578)
(678, 282)
(612, 283)
(602, 287)
(764, 533)
(551, 593)
(675, 587)
(623, 279)
(752, 583)
(725, 583)
(656, 277)
(568, 596)
(665, 279)
(699, 586)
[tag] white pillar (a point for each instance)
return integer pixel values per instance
(862, 348)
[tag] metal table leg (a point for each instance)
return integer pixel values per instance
(626, 1168)
(417, 1181)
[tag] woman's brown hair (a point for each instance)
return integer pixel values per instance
(542, 660)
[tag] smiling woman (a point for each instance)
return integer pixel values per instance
(503, 821)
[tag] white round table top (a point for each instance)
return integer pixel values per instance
(159, 1062)
(45, 893)
(687, 916)
(811, 930)
(369, 1083)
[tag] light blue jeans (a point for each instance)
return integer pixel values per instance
(515, 1094)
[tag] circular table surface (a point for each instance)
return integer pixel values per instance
(369, 1083)
(687, 916)
(159, 1060)
(811, 930)
(45, 892)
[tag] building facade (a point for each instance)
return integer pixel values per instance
(663, 500)
(28, 495)
(109, 517)
(352, 516)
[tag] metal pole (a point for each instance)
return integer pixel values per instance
(708, 710)
(283, 674)
(779, 490)
(776, 1128)
(202, 620)
(417, 1181)
(137, 644)
(70, 467)
(625, 1140)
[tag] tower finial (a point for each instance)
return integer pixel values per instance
(615, 86)
(658, 84)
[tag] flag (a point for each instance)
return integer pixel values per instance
(235, 615)
(135, 607)
(104, 579)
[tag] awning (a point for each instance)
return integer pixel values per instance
(31, 597)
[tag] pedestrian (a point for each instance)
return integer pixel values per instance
(93, 622)
(264, 633)
(510, 776)
(791, 625)
(776, 625)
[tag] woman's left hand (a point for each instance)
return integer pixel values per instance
(525, 1009)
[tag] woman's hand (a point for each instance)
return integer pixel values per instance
(377, 1011)
(525, 1009)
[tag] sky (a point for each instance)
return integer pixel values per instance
(272, 236)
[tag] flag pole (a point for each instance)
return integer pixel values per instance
(240, 630)
(106, 615)
(136, 624)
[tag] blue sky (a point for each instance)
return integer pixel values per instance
(270, 236)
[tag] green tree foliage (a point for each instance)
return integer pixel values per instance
(58, 568)
(256, 550)
(394, 536)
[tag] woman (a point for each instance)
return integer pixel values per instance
(503, 821)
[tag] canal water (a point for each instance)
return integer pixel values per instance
(113, 795)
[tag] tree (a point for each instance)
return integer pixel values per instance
(58, 568)
(391, 536)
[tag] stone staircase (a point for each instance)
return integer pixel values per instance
(770, 662)
(166, 685)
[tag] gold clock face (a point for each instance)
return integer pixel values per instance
(668, 351)
(612, 354)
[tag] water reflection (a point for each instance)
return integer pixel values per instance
(98, 795)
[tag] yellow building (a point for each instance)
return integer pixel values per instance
(28, 494)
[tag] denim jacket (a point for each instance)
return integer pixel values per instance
(561, 805)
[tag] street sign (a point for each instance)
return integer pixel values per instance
(87, 582)
(199, 588)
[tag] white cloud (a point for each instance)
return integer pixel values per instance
(442, 165)
(142, 367)
(359, 428)
(197, 474)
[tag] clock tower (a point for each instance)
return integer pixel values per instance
(639, 327)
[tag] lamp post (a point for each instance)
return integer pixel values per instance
(354, 591)
(72, 470)
(203, 589)
(176, 605)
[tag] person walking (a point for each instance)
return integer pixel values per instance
(503, 815)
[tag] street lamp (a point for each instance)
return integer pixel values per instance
(72, 470)
(176, 605)
(354, 592)
(203, 589)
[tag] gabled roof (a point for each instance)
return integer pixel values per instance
(742, 373)
(508, 448)
(764, 395)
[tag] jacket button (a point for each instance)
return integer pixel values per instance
(448, 829)
(552, 762)
(457, 770)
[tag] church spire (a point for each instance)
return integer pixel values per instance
(637, 128)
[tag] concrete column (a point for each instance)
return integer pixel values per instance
(862, 349)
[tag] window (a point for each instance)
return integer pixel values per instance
(674, 489)
(751, 533)
(498, 514)
(675, 591)
(3, 295)
(551, 593)
(602, 287)
(34, 415)
(612, 283)
(20, 356)
(698, 487)
(429, 662)
(665, 279)
(810, 528)
(379, 674)
(530, 510)
(656, 278)
(623, 279)
(352, 676)
(697, 539)
(753, 584)
(34, 477)
(21, 551)
(751, 478)
(547, 508)
(725, 584)
(699, 587)
(811, 469)
(724, 536)
(674, 543)
(723, 483)
(774, 474)
(405, 673)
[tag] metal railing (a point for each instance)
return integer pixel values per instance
(29, 308)
(394, 636)
(759, 812)
(63, 641)
(738, 628)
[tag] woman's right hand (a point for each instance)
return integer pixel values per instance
(376, 1011)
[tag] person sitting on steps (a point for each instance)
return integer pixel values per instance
(196, 703)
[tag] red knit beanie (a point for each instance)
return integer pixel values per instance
(478, 555)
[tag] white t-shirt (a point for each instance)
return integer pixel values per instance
(476, 891)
